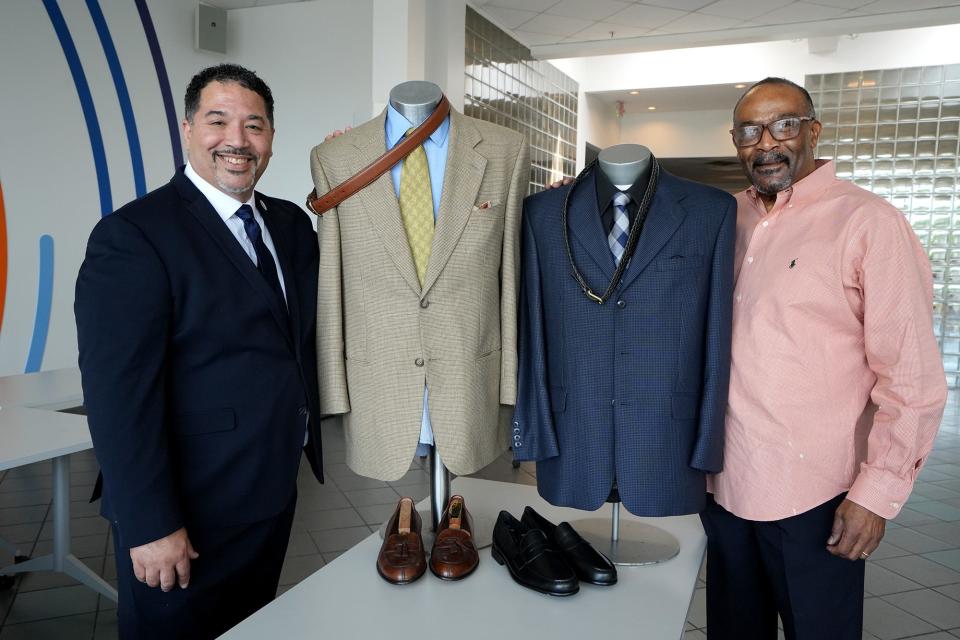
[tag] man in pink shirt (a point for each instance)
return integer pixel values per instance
(836, 384)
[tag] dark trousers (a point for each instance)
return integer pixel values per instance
(756, 570)
(237, 573)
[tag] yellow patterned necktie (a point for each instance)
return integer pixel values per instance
(416, 207)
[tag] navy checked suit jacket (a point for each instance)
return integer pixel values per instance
(197, 382)
(634, 389)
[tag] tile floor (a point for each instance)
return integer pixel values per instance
(912, 584)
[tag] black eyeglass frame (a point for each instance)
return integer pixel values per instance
(767, 126)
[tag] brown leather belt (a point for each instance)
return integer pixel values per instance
(321, 204)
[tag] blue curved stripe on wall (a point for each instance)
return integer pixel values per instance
(86, 104)
(120, 83)
(41, 322)
(163, 81)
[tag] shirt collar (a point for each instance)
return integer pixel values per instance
(225, 206)
(807, 189)
(397, 125)
(606, 190)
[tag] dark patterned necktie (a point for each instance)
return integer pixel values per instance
(265, 262)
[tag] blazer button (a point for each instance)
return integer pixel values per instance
(621, 303)
(418, 362)
(424, 304)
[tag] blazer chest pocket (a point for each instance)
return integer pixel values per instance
(205, 421)
(679, 263)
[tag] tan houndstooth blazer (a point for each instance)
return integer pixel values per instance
(380, 338)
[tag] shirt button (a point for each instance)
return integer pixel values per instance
(801, 456)
(895, 505)
(621, 303)
(766, 223)
(424, 304)
(418, 362)
(750, 260)
(738, 297)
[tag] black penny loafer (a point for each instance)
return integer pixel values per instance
(529, 558)
(589, 564)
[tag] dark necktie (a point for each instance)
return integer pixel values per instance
(265, 263)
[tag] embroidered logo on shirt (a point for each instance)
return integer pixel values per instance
(793, 263)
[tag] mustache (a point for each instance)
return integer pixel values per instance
(769, 158)
(235, 151)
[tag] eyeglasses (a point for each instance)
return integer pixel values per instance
(782, 129)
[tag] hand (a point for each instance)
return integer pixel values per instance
(336, 134)
(559, 183)
(856, 533)
(165, 561)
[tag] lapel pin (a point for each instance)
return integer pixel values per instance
(793, 263)
(263, 205)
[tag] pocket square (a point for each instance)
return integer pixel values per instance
(484, 205)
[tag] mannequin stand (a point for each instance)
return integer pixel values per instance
(630, 543)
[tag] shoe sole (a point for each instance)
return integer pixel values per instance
(498, 557)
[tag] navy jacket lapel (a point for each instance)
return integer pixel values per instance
(282, 246)
(586, 227)
(665, 216)
(206, 215)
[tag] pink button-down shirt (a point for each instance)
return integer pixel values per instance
(836, 381)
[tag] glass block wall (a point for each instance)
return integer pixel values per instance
(896, 133)
(505, 85)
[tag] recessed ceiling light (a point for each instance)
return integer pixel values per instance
(634, 93)
(651, 108)
(740, 86)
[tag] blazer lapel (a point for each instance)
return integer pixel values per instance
(586, 227)
(205, 214)
(381, 205)
(462, 176)
(662, 222)
(282, 246)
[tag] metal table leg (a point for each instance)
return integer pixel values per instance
(61, 559)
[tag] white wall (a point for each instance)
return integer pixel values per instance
(680, 134)
(316, 56)
(597, 123)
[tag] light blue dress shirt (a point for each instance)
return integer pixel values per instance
(435, 148)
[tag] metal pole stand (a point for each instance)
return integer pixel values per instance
(62, 559)
(628, 543)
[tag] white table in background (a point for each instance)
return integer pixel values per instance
(29, 435)
(348, 599)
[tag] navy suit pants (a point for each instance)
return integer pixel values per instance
(237, 573)
(756, 570)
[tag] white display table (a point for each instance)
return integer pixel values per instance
(29, 435)
(347, 599)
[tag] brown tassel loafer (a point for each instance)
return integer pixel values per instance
(402, 558)
(454, 555)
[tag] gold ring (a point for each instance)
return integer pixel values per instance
(864, 555)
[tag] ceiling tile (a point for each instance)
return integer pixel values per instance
(800, 12)
(555, 25)
(533, 39)
(645, 16)
(509, 18)
(536, 6)
(231, 4)
(685, 5)
(601, 31)
(892, 6)
(843, 4)
(742, 9)
(700, 22)
(594, 10)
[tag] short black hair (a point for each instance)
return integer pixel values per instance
(811, 111)
(226, 73)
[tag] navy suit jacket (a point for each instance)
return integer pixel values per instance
(634, 389)
(197, 383)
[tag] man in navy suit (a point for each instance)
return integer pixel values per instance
(195, 309)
